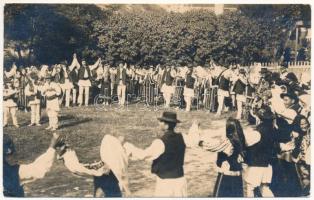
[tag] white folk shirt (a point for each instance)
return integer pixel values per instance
(8, 92)
(30, 93)
(50, 90)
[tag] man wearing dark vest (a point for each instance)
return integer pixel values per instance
(167, 88)
(224, 87)
(16, 175)
(121, 82)
(167, 153)
(188, 92)
(240, 91)
(85, 76)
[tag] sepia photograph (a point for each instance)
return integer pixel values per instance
(156, 100)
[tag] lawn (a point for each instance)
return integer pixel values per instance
(85, 128)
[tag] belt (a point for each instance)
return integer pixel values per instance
(85, 79)
(228, 172)
(51, 98)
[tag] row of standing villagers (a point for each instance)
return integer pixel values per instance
(253, 91)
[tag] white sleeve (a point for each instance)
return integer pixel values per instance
(73, 164)
(151, 153)
(288, 114)
(74, 63)
(94, 66)
(251, 136)
(38, 168)
(193, 137)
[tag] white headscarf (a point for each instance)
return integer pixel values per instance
(113, 154)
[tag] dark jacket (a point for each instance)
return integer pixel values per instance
(262, 153)
(11, 181)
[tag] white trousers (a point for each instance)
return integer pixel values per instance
(74, 98)
(121, 93)
(83, 89)
(172, 187)
(6, 114)
(188, 101)
(221, 100)
(167, 97)
(53, 118)
(67, 96)
(35, 113)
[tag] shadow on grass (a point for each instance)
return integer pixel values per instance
(76, 122)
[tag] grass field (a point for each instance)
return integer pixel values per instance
(85, 128)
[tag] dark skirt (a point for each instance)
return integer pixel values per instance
(228, 186)
(109, 184)
(105, 89)
(285, 180)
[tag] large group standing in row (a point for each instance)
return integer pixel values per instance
(272, 159)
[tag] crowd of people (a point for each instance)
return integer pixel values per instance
(271, 156)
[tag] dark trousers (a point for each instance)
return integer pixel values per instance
(228, 186)
(285, 181)
(109, 184)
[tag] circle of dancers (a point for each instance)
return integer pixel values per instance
(268, 157)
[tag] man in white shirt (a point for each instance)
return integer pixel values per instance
(32, 91)
(85, 76)
(52, 92)
(167, 153)
(121, 82)
(9, 103)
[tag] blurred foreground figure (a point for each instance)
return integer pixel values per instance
(15, 175)
(110, 174)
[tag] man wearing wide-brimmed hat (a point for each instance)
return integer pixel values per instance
(9, 102)
(52, 91)
(167, 153)
(33, 94)
(224, 84)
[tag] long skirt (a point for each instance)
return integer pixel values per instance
(228, 186)
(108, 184)
(285, 181)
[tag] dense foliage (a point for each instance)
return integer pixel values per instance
(53, 32)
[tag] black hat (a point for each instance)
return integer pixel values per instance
(264, 70)
(284, 64)
(169, 117)
(289, 94)
(291, 76)
(242, 71)
(8, 145)
(265, 113)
